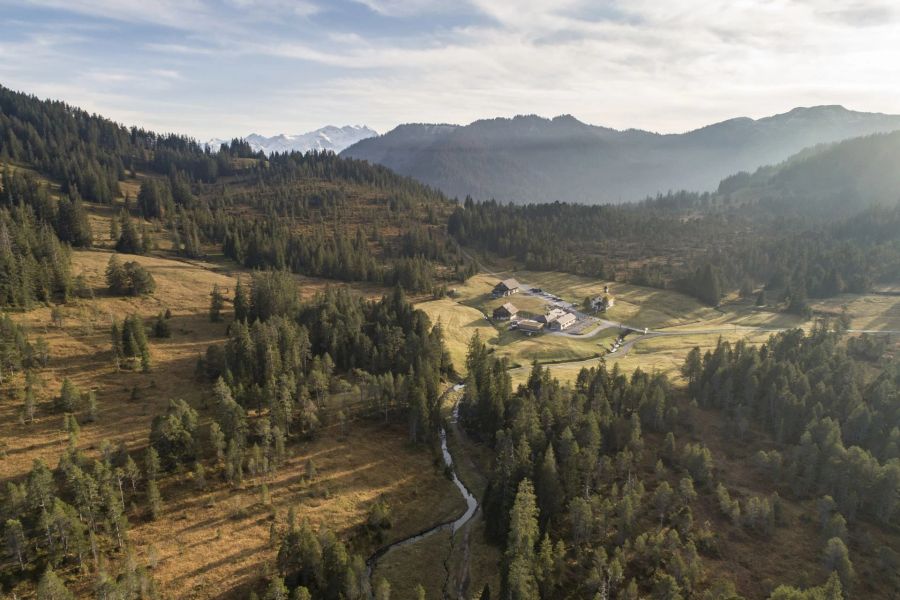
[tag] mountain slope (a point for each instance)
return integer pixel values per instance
(330, 138)
(841, 177)
(532, 159)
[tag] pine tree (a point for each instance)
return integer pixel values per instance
(145, 359)
(151, 463)
(51, 587)
(216, 304)
(154, 499)
(93, 409)
(217, 441)
(28, 404)
(837, 558)
(382, 589)
(161, 327)
(549, 491)
(520, 544)
(276, 590)
(129, 241)
(116, 277)
(241, 303)
(69, 396)
(15, 541)
(132, 472)
(117, 348)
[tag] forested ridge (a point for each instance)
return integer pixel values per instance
(273, 385)
(700, 244)
(315, 214)
(530, 159)
(604, 489)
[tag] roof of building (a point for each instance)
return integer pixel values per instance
(551, 315)
(566, 319)
(509, 284)
(508, 307)
(530, 325)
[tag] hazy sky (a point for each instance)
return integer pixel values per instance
(231, 67)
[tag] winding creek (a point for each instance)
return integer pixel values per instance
(453, 526)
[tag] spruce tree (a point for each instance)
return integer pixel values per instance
(216, 304)
(154, 499)
(15, 541)
(241, 302)
(520, 545)
(51, 587)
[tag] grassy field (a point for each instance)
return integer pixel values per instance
(218, 540)
(464, 316)
(80, 351)
(634, 305)
(656, 354)
(522, 349)
(459, 323)
(637, 306)
(866, 312)
(215, 542)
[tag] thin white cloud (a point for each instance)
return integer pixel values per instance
(666, 66)
(405, 8)
(179, 14)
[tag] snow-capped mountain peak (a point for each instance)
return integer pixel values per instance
(329, 137)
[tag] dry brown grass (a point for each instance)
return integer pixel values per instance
(463, 564)
(80, 351)
(866, 312)
(216, 543)
(207, 544)
(459, 324)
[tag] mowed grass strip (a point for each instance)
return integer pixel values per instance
(459, 324)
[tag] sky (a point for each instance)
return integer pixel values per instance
(223, 68)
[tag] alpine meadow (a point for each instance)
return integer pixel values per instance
(485, 354)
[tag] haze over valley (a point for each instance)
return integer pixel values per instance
(530, 159)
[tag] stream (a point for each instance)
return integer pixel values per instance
(453, 526)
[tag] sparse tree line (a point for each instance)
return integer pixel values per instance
(76, 516)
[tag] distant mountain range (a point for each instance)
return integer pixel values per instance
(532, 159)
(327, 138)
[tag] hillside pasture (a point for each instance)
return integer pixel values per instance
(459, 323)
